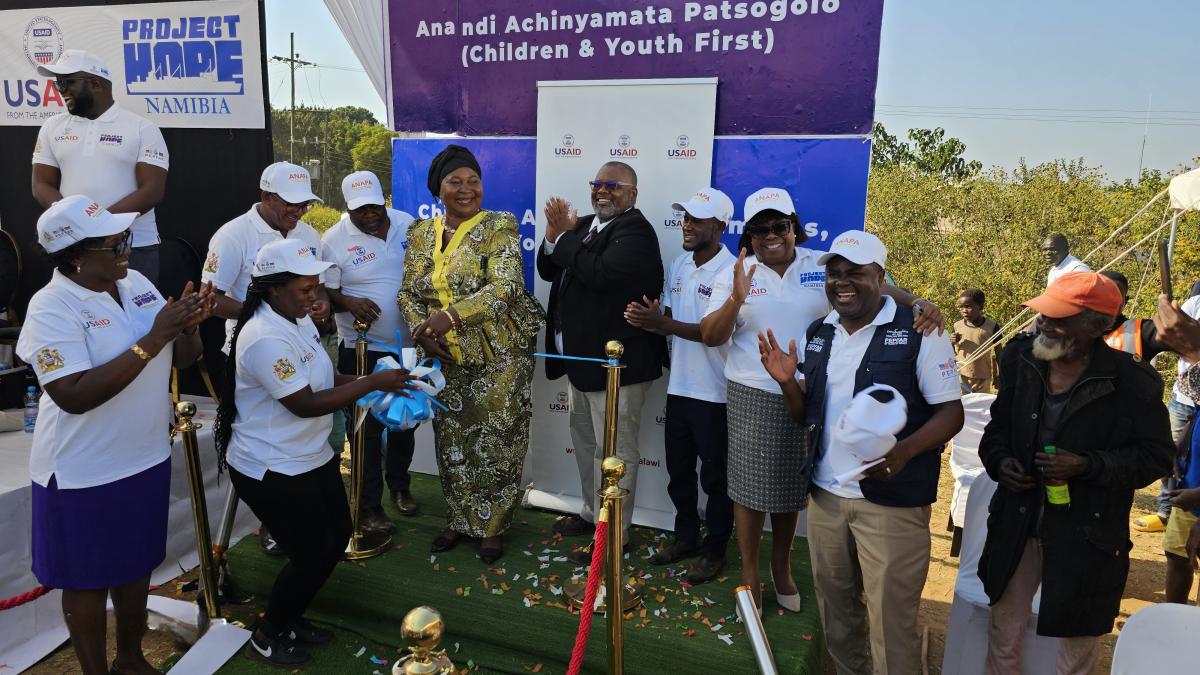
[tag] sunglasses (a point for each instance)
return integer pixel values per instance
(118, 249)
(63, 83)
(778, 228)
(611, 185)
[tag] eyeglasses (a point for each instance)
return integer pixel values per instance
(302, 207)
(778, 228)
(63, 83)
(118, 249)
(612, 185)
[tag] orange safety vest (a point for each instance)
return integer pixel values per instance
(1127, 337)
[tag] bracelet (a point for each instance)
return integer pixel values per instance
(141, 353)
(455, 321)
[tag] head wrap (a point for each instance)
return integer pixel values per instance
(447, 161)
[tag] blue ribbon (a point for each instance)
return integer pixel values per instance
(398, 413)
(610, 362)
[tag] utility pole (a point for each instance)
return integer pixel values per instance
(292, 62)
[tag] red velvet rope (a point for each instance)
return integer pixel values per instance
(28, 596)
(589, 598)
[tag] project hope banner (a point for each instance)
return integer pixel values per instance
(785, 66)
(178, 64)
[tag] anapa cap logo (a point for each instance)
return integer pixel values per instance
(703, 196)
(363, 184)
(849, 241)
(297, 177)
(94, 210)
(770, 196)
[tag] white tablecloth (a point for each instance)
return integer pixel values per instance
(964, 455)
(29, 632)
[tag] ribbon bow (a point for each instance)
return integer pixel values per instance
(396, 412)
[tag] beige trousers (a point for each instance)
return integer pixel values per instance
(587, 435)
(869, 564)
(1076, 656)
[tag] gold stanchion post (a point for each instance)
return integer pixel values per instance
(613, 470)
(422, 630)
(362, 544)
(185, 411)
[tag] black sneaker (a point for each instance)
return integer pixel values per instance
(305, 632)
(277, 651)
(268, 543)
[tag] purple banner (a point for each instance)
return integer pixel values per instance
(804, 67)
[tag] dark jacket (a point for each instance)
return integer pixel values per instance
(619, 266)
(1116, 418)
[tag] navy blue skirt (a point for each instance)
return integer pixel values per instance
(101, 536)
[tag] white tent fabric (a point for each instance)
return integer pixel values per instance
(965, 464)
(1185, 191)
(365, 25)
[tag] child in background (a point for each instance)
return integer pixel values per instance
(968, 336)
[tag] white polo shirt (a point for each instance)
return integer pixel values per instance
(1068, 264)
(277, 358)
(365, 266)
(71, 329)
(97, 158)
(230, 260)
(787, 305)
(937, 377)
(696, 371)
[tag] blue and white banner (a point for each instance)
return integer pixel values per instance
(178, 64)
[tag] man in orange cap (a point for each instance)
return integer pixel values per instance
(1071, 413)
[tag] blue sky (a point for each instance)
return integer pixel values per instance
(1017, 79)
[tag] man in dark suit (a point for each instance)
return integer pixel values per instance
(597, 265)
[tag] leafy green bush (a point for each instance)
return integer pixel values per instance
(322, 217)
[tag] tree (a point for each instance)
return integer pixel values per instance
(329, 136)
(373, 152)
(930, 153)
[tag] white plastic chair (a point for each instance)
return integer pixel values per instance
(1158, 639)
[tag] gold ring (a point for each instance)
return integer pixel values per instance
(429, 331)
(887, 469)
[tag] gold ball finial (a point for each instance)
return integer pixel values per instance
(361, 326)
(185, 410)
(613, 469)
(422, 629)
(614, 349)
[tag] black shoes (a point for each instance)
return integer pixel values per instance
(705, 569)
(405, 504)
(305, 632)
(276, 650)
(374, 520)
(678, 550)
(445, 541)
(573, 526)
(267, 542)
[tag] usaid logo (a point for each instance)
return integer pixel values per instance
(43, 41)
(682, 149)
(568, 149)
(624, 147)
(675, 221)
(660, 420)
(184, 64)
(561, 403)
(756, 288)
(90, 322)
(66, 138)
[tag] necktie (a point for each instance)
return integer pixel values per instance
(590, 235)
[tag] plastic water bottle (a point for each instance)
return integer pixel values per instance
(31, 408)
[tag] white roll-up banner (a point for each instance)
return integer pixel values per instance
(663, 128)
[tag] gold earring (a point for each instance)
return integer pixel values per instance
(78, 269)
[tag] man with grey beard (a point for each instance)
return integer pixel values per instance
(597, 265)
(1070, 413)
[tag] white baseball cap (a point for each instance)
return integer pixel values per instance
(361, 188)
(768, 198)
(708, 203)
(860, 248)
(72, 219)
(290, 181)
(868, 426)
(288, 255)
(75, 61)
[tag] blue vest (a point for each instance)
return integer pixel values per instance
(890, 359)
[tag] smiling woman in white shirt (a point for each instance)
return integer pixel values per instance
(102, 341)
(276, 411)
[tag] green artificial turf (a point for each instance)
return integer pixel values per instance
(507, 618)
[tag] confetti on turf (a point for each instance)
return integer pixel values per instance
(536, 668)
(432, 559)
(379, 662)
(727, 639)
(807, 637)
(361, 651)
(456, 645)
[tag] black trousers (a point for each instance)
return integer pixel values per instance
(698, 430)
(310, 519)
(400, 444)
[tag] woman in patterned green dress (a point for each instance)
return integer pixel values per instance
(464, 298)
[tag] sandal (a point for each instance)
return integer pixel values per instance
(445, 541)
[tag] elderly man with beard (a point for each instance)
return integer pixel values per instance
(1070, 411)
(597, 265)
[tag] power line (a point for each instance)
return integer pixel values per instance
(1081, 120)
(967, 107)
